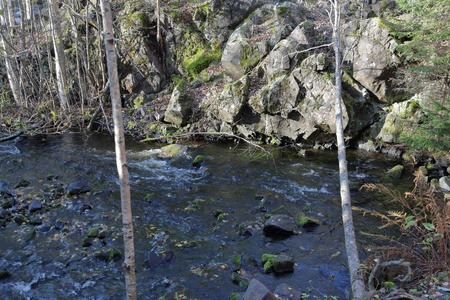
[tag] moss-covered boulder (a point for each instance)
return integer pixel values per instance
(174, 151)
(5, 274)
(277, 263)
(396, 171)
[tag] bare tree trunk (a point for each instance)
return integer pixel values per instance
(28, 10)
(347, 218)
(122, 167)
(60, 63)
(11, 72)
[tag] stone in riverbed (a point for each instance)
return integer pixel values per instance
(5, 274)
(34, 205)
(258, 291)
(109, 255)
(396, 171)
(78, 187)
(278, 263)
(284, 291)
(281, 225)
(158, 258)
(22, 183)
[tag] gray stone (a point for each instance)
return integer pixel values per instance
(396, 171)
(286, 292)
(371, 55)
(34, 205)
(231, 101)
(179, 108)
(279, 225)
(444, 182)
(78, 187)
(258, 291)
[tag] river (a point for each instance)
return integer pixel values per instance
(195, 212)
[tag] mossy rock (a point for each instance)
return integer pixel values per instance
(5, 274)
(22, 183)
(93, 232)
(241, 278)
(109, 255)
(199, 159)
(423, 170)
(278, 263)
(30, 235)
(396, 172)
(173, 150)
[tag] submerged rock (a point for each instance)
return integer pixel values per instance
(158, 258)
(5, 274)
(78, 187)
(258, 291)
(173, 150)
(22, 183)
(282, 225)
(284, 291)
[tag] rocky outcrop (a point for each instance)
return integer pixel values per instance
(370, 55)
(253, 39)
(142, 65)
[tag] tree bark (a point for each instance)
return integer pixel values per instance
(356, 278)
(122, 167)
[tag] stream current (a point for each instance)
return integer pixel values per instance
(175, 208)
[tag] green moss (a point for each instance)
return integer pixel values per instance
(201, 61)
(239, 279)
(93, 232)
(301, 219)
(234, 296)
(248, 59)
(113, 253)
(236, 260)
(268, 260)
(30, 235)
(283, 11)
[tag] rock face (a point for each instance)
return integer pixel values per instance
(371, 56)
(444, 183)
(245, 48)
(142, 65)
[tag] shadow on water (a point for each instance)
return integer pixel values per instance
(195, 213)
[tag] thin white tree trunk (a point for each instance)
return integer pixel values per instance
(28, 10)
(356, 278)
(122, 167)
(60, 63)
(11, 73)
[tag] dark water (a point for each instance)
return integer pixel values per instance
(173, 204)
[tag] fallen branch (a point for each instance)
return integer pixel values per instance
(391, 263)
(10, 137)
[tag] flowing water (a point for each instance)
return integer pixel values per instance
(175, 209)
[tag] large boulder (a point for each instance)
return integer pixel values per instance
(179, 108)
(370, 54)
(282, 225)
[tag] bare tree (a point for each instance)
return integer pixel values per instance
(347, 218)
(122, 167)
(60, 62)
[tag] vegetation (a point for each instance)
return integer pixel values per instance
(424, 224)
(425, 30)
